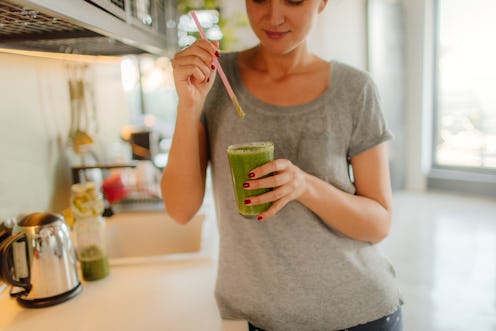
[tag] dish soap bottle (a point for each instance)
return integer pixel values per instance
(89, 228)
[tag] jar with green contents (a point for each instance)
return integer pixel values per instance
(89, 228)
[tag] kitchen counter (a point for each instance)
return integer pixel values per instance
(173, 294)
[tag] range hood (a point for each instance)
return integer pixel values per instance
(89, 27)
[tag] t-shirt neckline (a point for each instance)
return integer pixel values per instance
(243, 94)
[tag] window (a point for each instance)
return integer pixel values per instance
(188, 33)
(465, 95)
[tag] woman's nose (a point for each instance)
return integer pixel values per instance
(276, 13)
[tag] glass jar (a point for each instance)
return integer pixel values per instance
(89, 229)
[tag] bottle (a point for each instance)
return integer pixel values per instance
(89, 228)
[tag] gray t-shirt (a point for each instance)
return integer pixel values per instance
(293, 271)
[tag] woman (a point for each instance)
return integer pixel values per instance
(309, 262)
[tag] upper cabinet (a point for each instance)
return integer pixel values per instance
(91, 27)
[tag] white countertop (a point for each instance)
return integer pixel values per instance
(175, 295)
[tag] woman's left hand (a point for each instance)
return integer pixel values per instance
(287, 180)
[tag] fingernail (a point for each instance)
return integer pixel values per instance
(259, 218)
(212, 66)
(246, 185)
(247, 201)
(251, 175)
(208, 79)
(217, 53)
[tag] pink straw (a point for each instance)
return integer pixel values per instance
(219, 70)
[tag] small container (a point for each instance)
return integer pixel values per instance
(89, 228)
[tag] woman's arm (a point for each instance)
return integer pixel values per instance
(365, 216)
(183, 179)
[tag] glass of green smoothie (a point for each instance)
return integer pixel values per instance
(243, 158)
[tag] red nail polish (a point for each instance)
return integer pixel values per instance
(259, 218)
(246, 185)
(247, 201)
(208, 79)
(217, 53)
(212, 66)
(251, 175)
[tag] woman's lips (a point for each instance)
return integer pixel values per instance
(275, 35)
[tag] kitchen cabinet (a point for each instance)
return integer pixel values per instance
(94, 27)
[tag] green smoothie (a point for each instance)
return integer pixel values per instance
(243, 158)
(94, 264)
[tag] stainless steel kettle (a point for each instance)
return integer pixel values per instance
(39, 259)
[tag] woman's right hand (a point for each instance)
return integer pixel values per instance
(194, 72)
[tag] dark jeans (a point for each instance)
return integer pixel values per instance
(393, 322)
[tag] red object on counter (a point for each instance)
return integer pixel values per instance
(114, 189)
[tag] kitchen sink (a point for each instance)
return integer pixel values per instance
(147, 236)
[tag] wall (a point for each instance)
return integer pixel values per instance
(418, 90)
(386, 64)
(340, 33)
(34, 121)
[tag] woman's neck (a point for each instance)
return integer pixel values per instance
(278, 66)
(284, 80)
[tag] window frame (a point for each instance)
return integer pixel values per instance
(473, 180)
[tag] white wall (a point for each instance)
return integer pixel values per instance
(341, 33)
(34, 122)
(418, 58)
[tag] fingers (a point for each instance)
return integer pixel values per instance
(276, 180)
(196, 61)
(279, 198)
(287, 181)
(270, 167)
(283, 172)
(280, 193)
(274, 209)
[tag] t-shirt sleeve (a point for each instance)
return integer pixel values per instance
(369, 126)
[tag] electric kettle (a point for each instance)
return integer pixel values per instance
(40, 261)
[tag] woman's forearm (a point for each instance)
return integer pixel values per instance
(183, 179)
(358, 217)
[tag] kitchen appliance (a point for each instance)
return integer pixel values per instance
(39, 260)
(5, 232)
(91, 27)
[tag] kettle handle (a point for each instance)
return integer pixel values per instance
(5, 263)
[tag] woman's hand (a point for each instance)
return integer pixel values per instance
(183, 179)
(194, 72)
(365, 215)
(287, 180)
